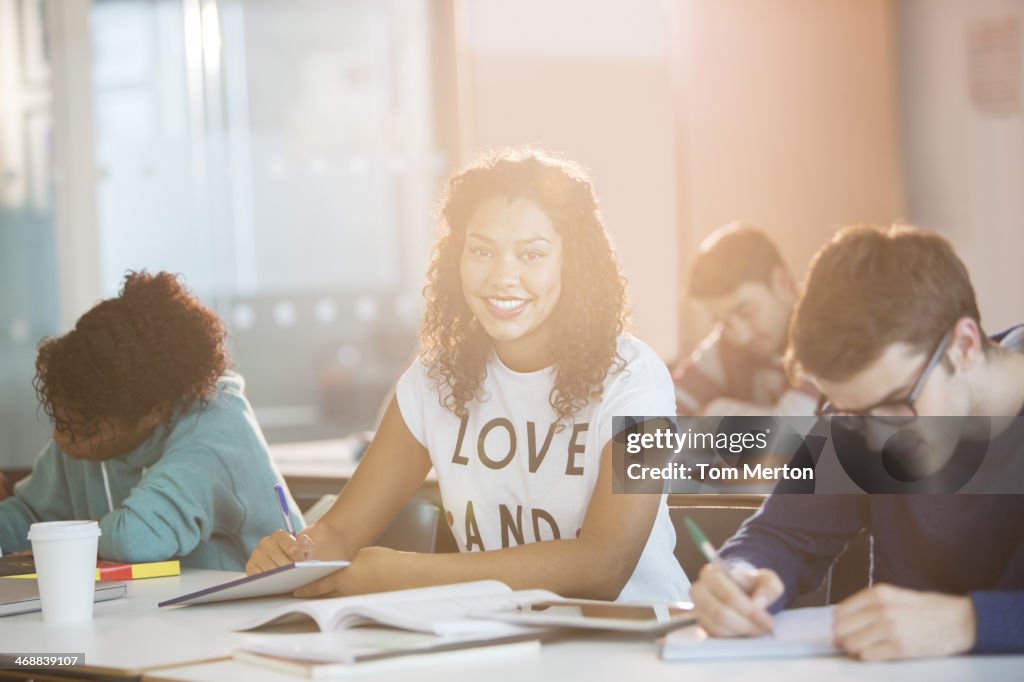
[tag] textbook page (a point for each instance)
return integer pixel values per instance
(798, 633)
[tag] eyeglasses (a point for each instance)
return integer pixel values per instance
(898, 412)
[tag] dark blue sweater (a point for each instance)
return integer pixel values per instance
(957, 544)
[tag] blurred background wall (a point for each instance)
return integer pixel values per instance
(286, 157)
(788, 115)
(961, 73)
(592, 80)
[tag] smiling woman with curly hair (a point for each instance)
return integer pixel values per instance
(523, 365)
(152, 435)
(591, 310)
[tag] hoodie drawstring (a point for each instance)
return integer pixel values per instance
(106, 486)
(106, 483)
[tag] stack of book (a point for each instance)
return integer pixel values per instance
(25, 567)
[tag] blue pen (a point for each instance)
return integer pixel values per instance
(283, 500)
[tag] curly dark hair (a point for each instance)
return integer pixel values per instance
(591, 311)
(154, 347)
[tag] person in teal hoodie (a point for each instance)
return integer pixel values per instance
(152, 436)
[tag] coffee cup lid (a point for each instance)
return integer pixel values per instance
(64, 530)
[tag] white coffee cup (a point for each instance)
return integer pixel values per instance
(65, 558)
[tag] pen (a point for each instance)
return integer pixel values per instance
(283, 501)
(709, 552)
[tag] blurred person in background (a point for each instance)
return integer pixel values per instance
(739, 277)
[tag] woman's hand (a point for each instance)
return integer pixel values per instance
(318, 541)
(393, 468)
(281, 548)
(364, 574)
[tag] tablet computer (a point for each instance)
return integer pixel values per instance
(600, 615)
(276, 581)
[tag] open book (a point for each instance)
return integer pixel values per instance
(442, 610)
(798, 633)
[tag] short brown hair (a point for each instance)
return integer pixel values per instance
(730, 256)
(870, 287)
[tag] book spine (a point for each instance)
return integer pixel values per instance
(109, 570)
(155, 569)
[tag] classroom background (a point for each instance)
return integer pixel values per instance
(286, 158)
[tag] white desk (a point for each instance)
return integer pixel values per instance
(333, 458)
(329, 459)
(631, 661)
(130, 635)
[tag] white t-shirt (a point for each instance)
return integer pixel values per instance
(507, 477)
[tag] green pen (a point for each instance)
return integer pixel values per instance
(709, 552)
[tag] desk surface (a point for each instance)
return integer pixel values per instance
(601, 659)
(333, 459)
(130, 635)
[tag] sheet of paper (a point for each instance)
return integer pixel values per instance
(798, 632)
(452, 616)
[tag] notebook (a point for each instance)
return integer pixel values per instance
(798, 633)
(446, 610)
(276, 581)
(330, 654)
(22, 596)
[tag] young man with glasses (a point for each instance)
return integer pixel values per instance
(910, 448)
(888, 330)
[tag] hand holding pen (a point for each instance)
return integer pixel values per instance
(282, 547)
(731, 602)
(282, 500)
